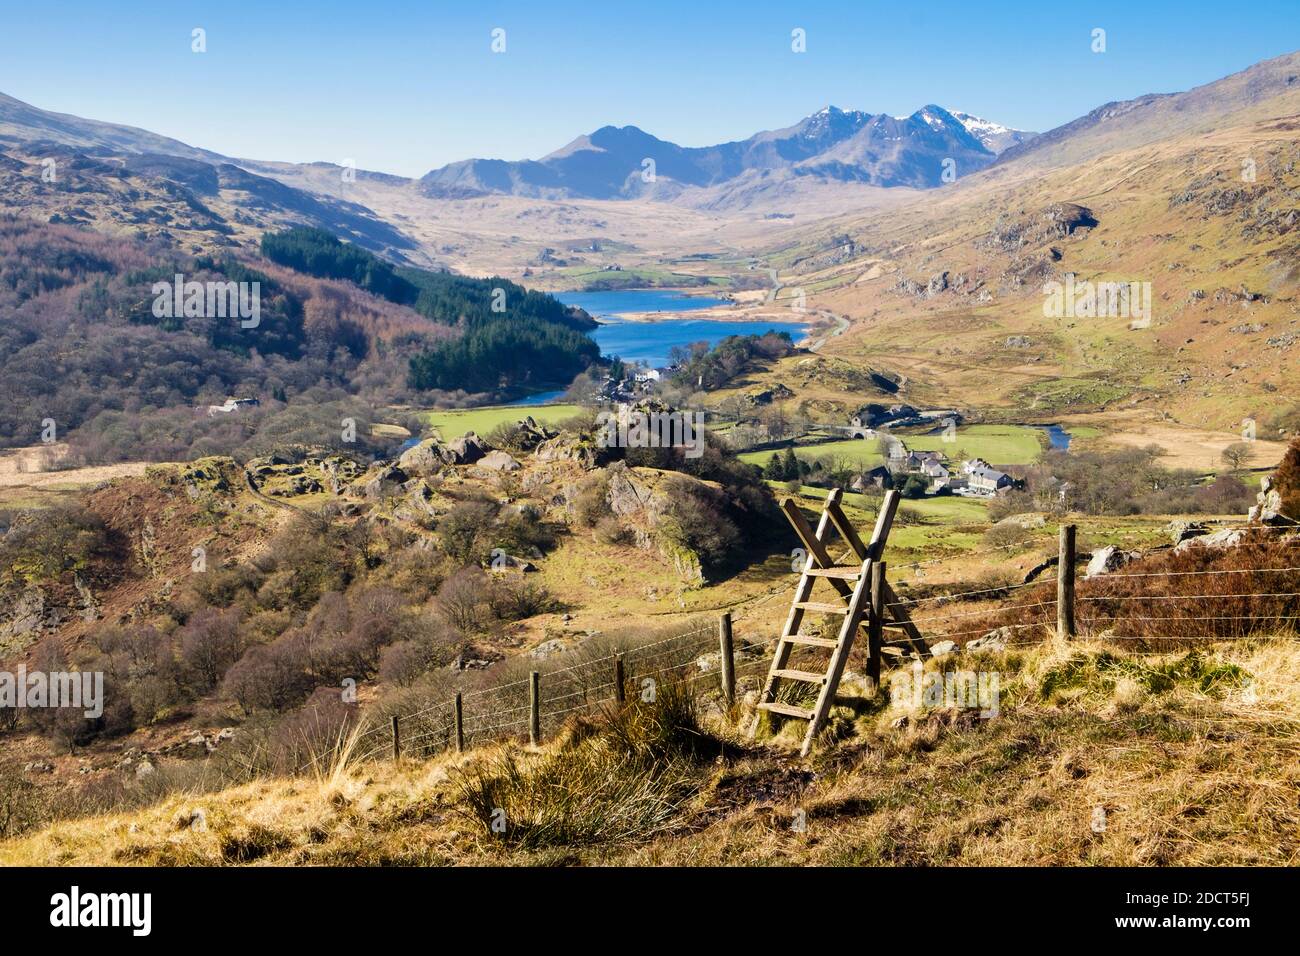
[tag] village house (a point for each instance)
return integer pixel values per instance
(233, 405)
(987, 481)
(878, 477)
(928, 463)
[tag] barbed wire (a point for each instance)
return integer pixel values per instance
(997, 610)
(1157, 574)
(1186, 597)
(912, 602)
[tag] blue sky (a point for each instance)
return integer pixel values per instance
(407, 86)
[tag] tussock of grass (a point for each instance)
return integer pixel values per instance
(1107, 673)
(628, 779)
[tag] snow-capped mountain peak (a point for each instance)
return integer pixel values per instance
(994, 136)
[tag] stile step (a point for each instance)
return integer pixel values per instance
(808, 677)
(786, 710)
(844, 571)
(810, 641)
(821, 607)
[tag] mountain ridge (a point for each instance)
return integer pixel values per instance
(626, 162)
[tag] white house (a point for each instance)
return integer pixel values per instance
(232, 405)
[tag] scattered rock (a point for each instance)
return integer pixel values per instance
(499, 461)
(508, 562)
(1107, 559)
(1181, 530)
(944, 648)
(1224, 538)
(995, 641)
(385, 482)
(424, 459)
(547, 649)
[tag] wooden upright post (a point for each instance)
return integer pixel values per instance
(620, 681)
(728, 658)
(876, 624)
(1065, 585)
(534, 708)
(397, 740)
(460, 724)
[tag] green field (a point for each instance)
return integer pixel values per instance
(863, 451)
(996, 444)
(453, 424)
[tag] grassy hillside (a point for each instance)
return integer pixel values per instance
(950, 293)
(1095, 757)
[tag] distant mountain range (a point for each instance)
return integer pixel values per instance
(832, 144)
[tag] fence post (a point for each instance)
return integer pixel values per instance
(534, 708)
(1065, 585)
(876, 624)
(460, 724)
(397, 740)
(727, 657)
(620, 681)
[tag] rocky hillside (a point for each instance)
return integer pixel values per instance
(956, 291)
(221, 600)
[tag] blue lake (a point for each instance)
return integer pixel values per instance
(623, 301)
(650, 342)
(1057, 435)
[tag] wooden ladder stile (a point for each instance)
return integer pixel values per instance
(853, 587)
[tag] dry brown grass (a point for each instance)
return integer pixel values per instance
(1186, 772)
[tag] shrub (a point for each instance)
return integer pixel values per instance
(462, 598)
(402, 663)
(1286, 481)
(695, 518)
(513, 597)
(1007, 535)
(42, 544)
(611, 531)
(210, 642)
(269, 677)
(464, 532)
(591, 503)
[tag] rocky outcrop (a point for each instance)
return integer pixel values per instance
(1268, 505)
(1108, 559)
(426, 458)
(529, 433)
(1183, 530)
(637, 497)
(26, 619)
(467, 449)
(382, 481)
(584, 451)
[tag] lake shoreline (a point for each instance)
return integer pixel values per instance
(732, 311)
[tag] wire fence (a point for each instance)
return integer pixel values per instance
(1238, 602)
